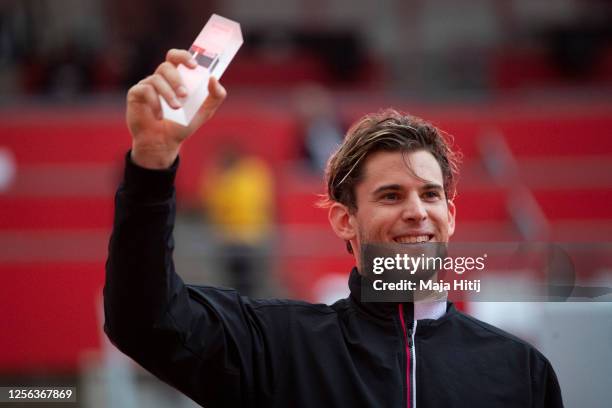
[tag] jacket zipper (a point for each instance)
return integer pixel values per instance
(410, 357)
(413, 360)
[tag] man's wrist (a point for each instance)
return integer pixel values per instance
(153, 158)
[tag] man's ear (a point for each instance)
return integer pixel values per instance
(452, 213)
(341, 221)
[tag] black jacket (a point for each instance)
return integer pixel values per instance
(225, 350)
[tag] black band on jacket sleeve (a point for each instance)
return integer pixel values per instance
(147, 184)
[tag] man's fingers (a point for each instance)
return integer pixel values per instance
(216, 90)
(172, 76)
(163, 88)
(176, 57)
(153, 101)
(216, 95)
(145, 93)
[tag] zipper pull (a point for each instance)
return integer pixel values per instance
(409, 335)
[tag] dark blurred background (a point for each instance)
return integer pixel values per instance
(70, 49)
(524, 86)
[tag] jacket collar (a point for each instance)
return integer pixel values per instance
(386, 310)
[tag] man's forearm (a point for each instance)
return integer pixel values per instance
(140, 276)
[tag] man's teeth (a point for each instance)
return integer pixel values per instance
(412, 239)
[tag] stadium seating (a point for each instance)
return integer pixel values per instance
(56, 216)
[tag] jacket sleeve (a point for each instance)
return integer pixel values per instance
(546, 389)
(211, 344)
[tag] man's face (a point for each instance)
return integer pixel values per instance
(401, 199)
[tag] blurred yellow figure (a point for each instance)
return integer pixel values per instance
(238, 200)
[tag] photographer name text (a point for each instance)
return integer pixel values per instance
(463, 285)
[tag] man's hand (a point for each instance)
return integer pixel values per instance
(155, 141)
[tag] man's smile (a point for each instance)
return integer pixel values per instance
(413, 238)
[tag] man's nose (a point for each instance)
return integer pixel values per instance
(414, 209)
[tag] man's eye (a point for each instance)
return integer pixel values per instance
(390, 197)
(430, 195)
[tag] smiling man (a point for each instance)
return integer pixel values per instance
(391, 181)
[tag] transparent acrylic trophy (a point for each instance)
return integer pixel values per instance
(213, 49)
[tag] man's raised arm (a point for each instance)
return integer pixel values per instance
(204, 341)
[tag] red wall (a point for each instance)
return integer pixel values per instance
(55, 219)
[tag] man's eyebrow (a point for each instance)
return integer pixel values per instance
(396, 187)
(432, 186)
(387, 187)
